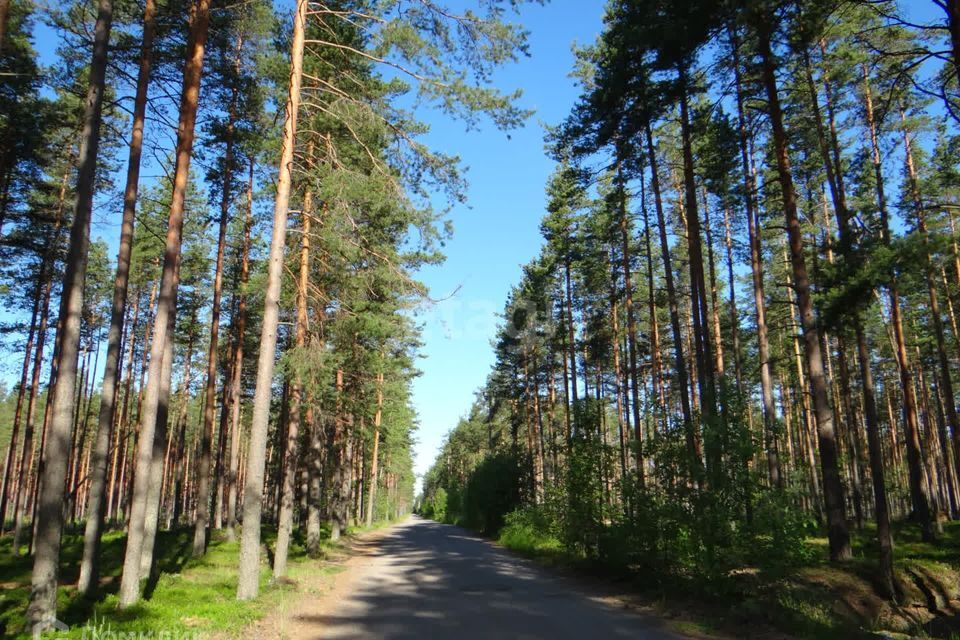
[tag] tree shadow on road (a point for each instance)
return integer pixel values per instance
(438, 581)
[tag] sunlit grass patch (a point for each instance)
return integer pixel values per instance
(188, 597)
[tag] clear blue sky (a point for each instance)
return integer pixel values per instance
(499, 230)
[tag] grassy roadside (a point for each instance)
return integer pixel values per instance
(190, 598)
(815, 600)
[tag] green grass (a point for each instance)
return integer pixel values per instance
(530, 542)
(189, 596)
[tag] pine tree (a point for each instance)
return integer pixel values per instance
(43, 594)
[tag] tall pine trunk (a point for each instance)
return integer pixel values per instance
(624, 225)
(210, 390)
(248, 584)
(690, 430)
(834, 171)
(49, 525)
(89, 566)
(374, 460)
(151, 516)
(196, 41)
(237, 365)
(756, 269)
(11, 455)
(933, 297)
(838, 534)
(698, 295)
(290, 464)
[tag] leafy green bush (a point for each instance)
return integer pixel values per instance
(530, 530)
(779, 532)
(435, 506)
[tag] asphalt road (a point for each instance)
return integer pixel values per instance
(432, 581)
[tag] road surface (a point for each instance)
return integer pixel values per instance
(432, 581)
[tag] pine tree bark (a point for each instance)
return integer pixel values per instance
(248, 585)
(571, 333)
(291, 458)
(690, 430)
(660, 404)
(130, 579)
(619, 379)
(830, 152)
(316, 472)
(181, 430)
(49, 525)
(838, 534)
(624, 225)
(151, 516)
(89, 566)
(336, 457)
(933, 297)
(374, 459)
(566, 375)
(210, 390)
(11, 455)
(756, 269)
(701, 335)
(237, 364)
(24, 472)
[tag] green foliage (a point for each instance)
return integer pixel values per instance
(435, 507)
(779, 532)
(531, 530)
(492, 491)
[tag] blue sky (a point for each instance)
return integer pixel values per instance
(499, 229)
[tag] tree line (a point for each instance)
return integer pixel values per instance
(230, 370)
(741, 327)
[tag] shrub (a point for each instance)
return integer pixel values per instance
(531, 530)
(493, 491)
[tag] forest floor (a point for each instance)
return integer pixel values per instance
(818, 599)
(189, 598)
